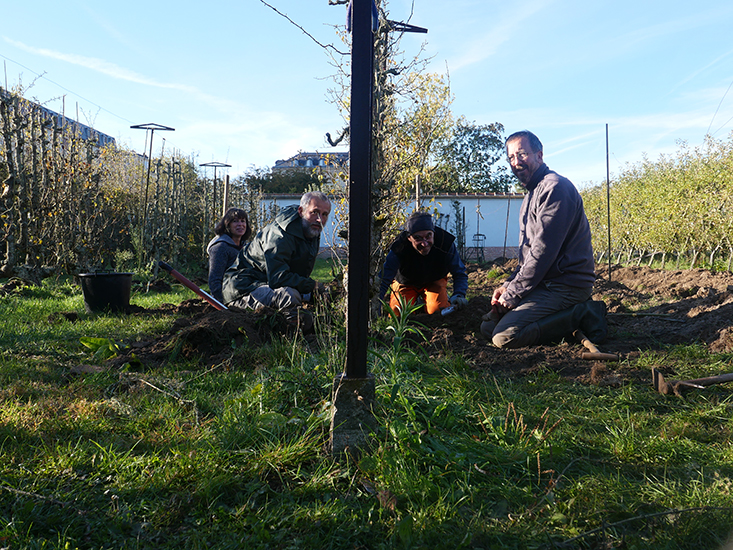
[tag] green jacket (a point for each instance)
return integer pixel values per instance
(279, 256)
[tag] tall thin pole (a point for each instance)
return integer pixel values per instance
(152, 127)
(608, 205)
(417, 192)
(360, 173)
(225, 202)
(506, 225)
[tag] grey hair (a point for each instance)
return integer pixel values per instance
(534, 141)
(312, 195)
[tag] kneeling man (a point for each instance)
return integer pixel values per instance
(548, 295)
(418, 264)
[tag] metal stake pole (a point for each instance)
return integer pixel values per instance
(152, 127)
(360, 173)
(608, 205)
(353, 392)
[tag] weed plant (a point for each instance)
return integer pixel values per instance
(235, 455)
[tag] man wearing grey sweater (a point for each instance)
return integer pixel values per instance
(547, 297)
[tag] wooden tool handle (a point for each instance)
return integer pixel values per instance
(599, 356)
(584, 340)
(594, 353)
(183, 280)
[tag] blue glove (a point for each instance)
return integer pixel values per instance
(458, 301)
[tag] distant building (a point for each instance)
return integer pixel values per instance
(329, 164)
(52, 119)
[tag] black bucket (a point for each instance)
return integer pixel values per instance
(106, 291)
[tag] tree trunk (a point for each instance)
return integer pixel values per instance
(10, 189)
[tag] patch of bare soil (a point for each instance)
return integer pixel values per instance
(201, 332)
(649, 309)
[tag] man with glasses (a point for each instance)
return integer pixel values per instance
(418, 264)
(547, 297)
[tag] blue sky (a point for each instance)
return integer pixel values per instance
(242, 85)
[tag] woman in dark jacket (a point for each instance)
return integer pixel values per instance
(231, 233)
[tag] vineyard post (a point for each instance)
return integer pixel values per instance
(506, 226)
(354, 390)
(216, 165)
(608, 205)
(152, 127)
(225, 201)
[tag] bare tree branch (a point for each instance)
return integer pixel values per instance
(305, 32)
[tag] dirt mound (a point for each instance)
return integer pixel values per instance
(668, 307)
(649, 309)
(203, 333)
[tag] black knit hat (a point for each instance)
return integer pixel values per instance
(419, 221)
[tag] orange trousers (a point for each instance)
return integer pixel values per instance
(435, 295)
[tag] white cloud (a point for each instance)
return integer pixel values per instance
(491, 38)
(120, 73)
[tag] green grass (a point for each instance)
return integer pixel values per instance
(325, 270)
(184, 457)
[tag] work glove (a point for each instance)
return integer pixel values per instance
(458, 301)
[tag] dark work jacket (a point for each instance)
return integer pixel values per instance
(409, 267)
(280, 255)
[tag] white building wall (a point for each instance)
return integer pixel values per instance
(495, 216)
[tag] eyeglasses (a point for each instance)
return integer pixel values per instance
(419, 239)
(520, 156)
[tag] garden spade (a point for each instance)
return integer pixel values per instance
(205, 295)
(666, 387)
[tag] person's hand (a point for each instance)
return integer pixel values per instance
(458, 301)
(498, 306)
(497, 295)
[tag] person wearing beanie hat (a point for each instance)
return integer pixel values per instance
(418, 264)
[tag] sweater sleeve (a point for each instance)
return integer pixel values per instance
(218, 264)
(546, 231)
(458, 269)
